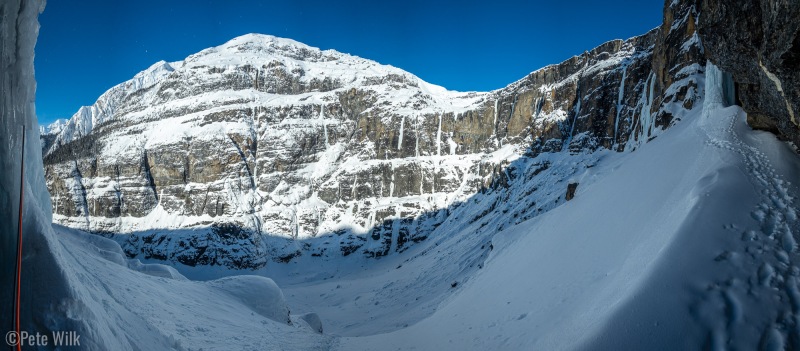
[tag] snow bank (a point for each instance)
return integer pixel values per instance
(111, 251)
(259, 293)
(150, 307)
(155, 269)
(312, 320)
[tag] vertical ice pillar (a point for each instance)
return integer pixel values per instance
(719, 88)
(18, 30)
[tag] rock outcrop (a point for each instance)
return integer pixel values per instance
(571, 188)
(758, 43)
(265, 149)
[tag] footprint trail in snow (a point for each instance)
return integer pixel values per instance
(763, 268)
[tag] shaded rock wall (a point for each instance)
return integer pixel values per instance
(758, 42)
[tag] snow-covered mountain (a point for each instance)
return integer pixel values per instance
(264, 148)
(54, 128)
(676, 238)
(49, 133)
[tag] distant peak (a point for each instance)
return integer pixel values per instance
(266, 40)
(158, 67)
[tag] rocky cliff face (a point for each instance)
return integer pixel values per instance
(265, 149)
(758, 42)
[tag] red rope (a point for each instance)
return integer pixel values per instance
(19, 242)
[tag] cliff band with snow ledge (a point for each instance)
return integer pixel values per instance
(267, 149)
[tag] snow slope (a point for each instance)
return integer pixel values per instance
(703, 255)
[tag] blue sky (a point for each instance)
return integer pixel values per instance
(88, 46)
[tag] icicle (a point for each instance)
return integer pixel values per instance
(575, 119)
(650, 98)
(395, 230)
(439, 137)
(714, 98)
(438, 153)
(433, 181)
(416, 155)
(646, 116)
(416, 133)
(421, 179)
(620, 96)
(714, 92)
(391, 185)
(371, 219)
(646, 103)
(257, 120)
(494, 124)
(320, 218)
(295, 223)
(400, 138)
(355, 183)
(513, 107)
(324, 125)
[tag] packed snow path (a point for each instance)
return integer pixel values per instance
(764, 264)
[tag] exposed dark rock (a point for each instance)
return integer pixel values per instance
(758, 42)
(571, 187)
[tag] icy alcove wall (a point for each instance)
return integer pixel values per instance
(47, 295)
(720, 89)
(18, 29)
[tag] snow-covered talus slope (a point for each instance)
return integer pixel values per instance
(686, 243)
(265, 149)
